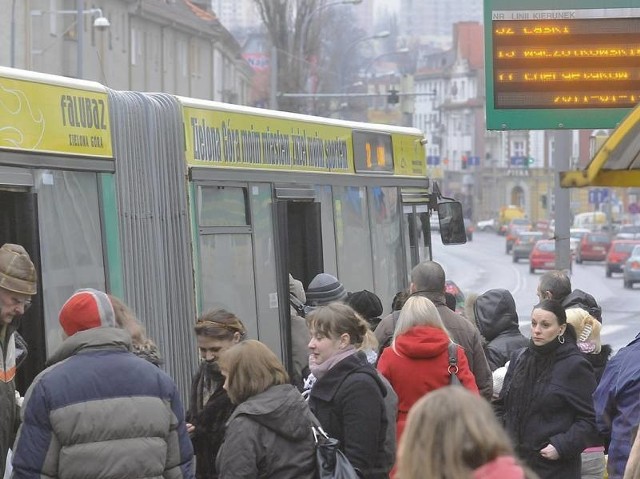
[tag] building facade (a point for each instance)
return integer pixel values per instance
(172, 46)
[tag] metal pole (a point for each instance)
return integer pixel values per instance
(80, 36)
(13, 34)
(561, 159)
(273, 97)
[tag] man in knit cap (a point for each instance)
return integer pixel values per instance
(99, 410)
(324, 289)
(18, 283)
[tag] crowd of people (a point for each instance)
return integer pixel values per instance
(420, 392)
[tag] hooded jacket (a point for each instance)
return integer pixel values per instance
(100, 411)
(269, 436)
(495, 315)
(349, 403)
(462, 332)
(418, 365)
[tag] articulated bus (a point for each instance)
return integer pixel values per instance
(179, 205)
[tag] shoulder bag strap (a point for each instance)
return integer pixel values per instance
(453, 358)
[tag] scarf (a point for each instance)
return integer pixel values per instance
(319, 370)
(209, 381)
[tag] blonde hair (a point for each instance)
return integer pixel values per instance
(336, 319)
(586, 326)
(418, 311)
(450, 432)
(250, 368)
(370, 342)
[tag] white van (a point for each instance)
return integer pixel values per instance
(593, 220)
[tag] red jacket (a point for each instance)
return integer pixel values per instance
(420, 366)
(504, 467)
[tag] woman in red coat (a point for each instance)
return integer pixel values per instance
(418, 360)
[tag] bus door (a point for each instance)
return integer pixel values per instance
(417, 233)
(299, 238)
(19, 225)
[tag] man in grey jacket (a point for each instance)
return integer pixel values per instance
(99, 410)
(428, 279)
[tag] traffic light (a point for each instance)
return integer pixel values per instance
(464, 162)
(393, 98)
(528, 161)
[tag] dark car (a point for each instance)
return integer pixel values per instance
(619, 252)
(515, 227)
(593, 247)
(522, 246)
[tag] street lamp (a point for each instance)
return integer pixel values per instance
(345, 55)
(100, 23)
(382, 55)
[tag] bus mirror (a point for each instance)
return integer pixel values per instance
(452, 230)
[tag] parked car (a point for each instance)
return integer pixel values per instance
(543, 256)
(487, 225)
(451, 287)
(631, 272)
(619, 252)
(628, 232)
(516, 226)
(593, 247)
(468, 227)
(525, 240)
(575, 236)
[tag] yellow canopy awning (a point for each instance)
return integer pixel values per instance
(617, 162)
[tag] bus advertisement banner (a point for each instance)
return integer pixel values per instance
(53, 118)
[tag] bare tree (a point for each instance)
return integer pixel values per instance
(308, 39)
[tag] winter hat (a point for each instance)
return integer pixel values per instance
(324, 289)
(86, 309)
(366, 303)
(17, 273)
(587, 330)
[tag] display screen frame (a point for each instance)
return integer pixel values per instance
(534, 114)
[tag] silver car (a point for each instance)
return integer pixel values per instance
(631, 271)
(523, 244)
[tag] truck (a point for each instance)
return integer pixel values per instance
(508, 213)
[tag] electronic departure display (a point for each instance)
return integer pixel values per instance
(566, 59)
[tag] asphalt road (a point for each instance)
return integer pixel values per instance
(482, 264)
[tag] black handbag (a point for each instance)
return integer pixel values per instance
(453, 365)
(331, 462)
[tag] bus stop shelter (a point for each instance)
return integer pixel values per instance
(616, 163)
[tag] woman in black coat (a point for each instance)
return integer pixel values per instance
(209, 404)
(545, 403)
(348, 396)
